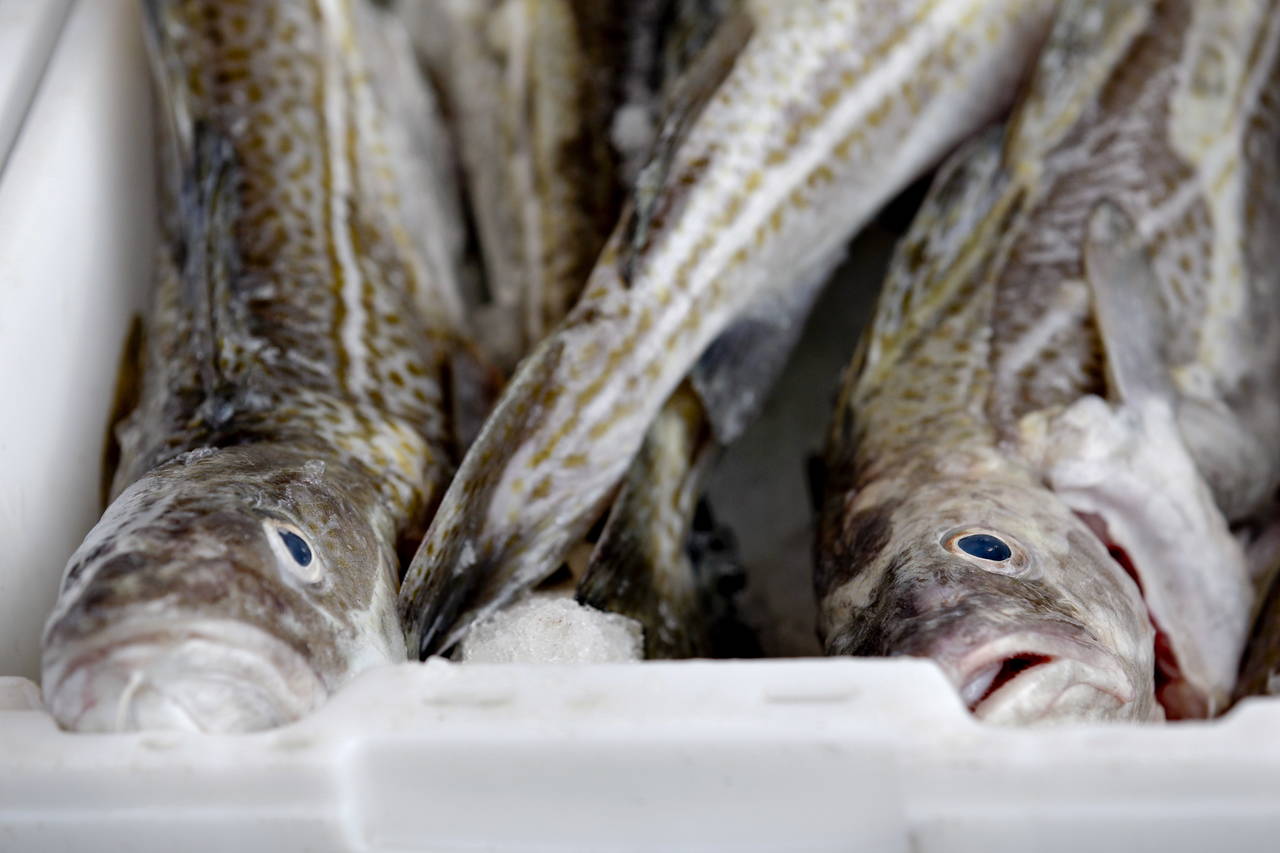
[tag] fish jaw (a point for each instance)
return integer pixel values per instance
(1041, 674)
(205, 676)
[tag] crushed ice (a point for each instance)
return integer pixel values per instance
(549, 628)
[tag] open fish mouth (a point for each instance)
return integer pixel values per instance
(1035, 677)
(214, 676)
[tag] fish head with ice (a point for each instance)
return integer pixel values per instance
(998, 582)
(227, 590)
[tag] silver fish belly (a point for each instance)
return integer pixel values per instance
(1070, 338)
(823, 113)
(292, 427)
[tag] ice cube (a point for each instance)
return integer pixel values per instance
(547, 628)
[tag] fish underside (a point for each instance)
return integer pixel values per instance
(803, 118)
(1064, 415)
(299, 383)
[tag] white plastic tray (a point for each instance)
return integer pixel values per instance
(804, 755)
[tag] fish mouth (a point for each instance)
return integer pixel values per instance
(211, 676)
(1040, 677)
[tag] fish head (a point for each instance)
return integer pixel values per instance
(1000, 584)
(227, 590)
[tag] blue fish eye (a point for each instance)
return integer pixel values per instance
(299, 549)
(984, 546)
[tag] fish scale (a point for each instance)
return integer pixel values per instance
(823, 114)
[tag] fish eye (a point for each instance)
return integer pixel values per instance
(300, 550)
(990, 550)
(292, 550)
(984, 546)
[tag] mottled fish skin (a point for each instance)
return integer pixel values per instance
(826, 111)
(1070, 337)
(293, 426)
(641, 566)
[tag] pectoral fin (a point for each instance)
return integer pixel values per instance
(1127, 307)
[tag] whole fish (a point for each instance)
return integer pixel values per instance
(800, 120)
(1066, 382)
(294, 425)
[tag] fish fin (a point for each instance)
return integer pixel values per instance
(1087, 39)
(689, 95)
(734, 374)
(1134, 325)
(125, 398)
(210, 261)
(1127, 306)
(640, 566)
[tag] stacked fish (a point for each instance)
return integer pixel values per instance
(1054, 459)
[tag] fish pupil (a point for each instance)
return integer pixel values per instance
(985, 547)
(300, 550)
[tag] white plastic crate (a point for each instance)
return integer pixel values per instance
(811, 755)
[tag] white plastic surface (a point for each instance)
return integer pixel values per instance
(812, 755)
(793, 755)
(76, 213)
(28, 29)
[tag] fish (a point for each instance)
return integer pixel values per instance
(799, 121)
(299, 407)
(641, 566)
(1060, 409)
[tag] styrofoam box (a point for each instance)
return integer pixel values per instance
(773, 755)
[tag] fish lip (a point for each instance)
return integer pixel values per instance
(276, 675)
(1082, 663)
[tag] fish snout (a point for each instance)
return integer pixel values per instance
(218, 677)
(1038, 674)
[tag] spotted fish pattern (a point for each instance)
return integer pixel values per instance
(296, 417)
(822, 111)
(1070, 355)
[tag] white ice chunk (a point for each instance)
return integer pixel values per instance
(545, 628)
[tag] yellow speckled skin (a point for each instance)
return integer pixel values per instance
(827, 110)
(998, 389)
(293, 424)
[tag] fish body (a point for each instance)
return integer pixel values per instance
(803, 118)
(293, 425)
(1066, 378)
